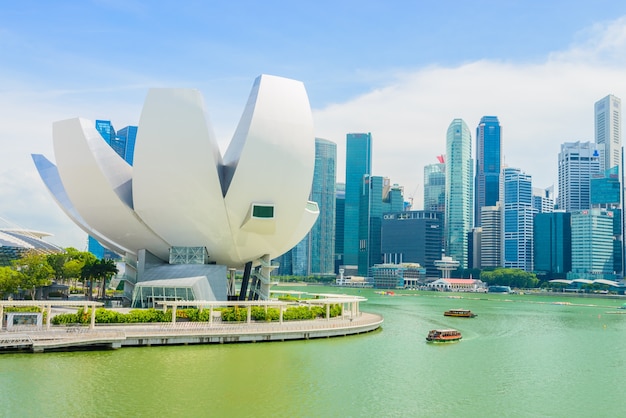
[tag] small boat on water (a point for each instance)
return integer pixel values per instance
(461, 313)
(443, 335)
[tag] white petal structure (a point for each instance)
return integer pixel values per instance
(180, 191)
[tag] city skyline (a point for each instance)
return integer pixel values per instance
(397, 80)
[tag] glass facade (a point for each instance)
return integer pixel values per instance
(518, 220)
(435, 187)
(323, 192)
(126, 143)
(552, 244)
(592, 244)
(358, 164)
(378, 197)
(459, 191)
(605, 189)
(488, 164)
(413, 237)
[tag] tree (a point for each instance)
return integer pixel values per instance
(509, 277)
(57, 262)
(33, 271)
(9, 281)
(101, 270)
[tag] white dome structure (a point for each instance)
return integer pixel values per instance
(246, 206)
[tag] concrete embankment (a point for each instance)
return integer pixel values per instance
(182, 333)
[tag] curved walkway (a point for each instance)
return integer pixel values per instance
(116, 336)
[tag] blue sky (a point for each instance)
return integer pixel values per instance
(401, 70)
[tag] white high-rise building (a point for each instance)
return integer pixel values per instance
(608, 131)
(517, 221)
(491, 237)
(543, 199)
(578, 161)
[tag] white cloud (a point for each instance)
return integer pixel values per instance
(540, 106)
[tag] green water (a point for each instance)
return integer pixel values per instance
(523, 356)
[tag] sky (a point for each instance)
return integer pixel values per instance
(402, 70)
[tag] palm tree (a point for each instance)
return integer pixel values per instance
(106, 269)
(102, 270)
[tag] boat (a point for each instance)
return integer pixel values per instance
(443, 335)
(462, 313)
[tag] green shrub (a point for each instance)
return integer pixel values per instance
(64, 319)
(22, 309)
(148, 315)
(105, 316)
(235, 314)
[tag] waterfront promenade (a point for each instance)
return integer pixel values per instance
(112, 336)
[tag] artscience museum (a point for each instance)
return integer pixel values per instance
(183, 211)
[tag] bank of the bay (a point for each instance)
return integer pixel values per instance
(522, 356)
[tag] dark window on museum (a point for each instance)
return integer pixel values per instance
(263, 211)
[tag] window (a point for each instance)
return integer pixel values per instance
(259, 211)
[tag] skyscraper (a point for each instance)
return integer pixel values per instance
(358, 164)
(578, 161)
(592, 244)
(459, 190)
(517, 224)
(378, 196)
(491, 236)
(608, 131)
(605, 194)
(435, 185)
(543, 199)
(488, 163)
(552, 244)
(413, 237)
(323, 192)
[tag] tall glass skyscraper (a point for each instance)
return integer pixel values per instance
(358, 164)
(518, 219)
(435, 186)
(459, 190)
(578, 161)
(323, 192)
(488, 164)
(378, 197)
(608, 131)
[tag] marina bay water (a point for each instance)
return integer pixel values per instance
(522, 356)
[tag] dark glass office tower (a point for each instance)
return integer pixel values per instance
(488, 164)
(553, 244)
(358, 164)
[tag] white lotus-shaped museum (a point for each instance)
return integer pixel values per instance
(180, 191)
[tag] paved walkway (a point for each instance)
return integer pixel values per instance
(116, 336)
